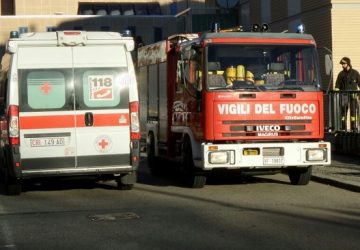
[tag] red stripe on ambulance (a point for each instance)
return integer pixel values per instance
(68, 121)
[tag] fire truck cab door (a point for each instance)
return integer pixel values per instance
(101, 99)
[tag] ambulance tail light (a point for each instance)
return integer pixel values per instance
(13, 118)
(134, 121)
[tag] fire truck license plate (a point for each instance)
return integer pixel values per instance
(273, 160)
(46, 142)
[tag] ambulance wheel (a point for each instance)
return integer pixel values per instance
(126, 181)
(300, 176)
(194, 177)
(152, 160)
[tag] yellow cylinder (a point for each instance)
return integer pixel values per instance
(230, 74)
(240, 72)
(259, 82)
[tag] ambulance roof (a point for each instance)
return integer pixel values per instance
(70, 38)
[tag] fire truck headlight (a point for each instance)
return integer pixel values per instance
(315, 154)
(219, 157)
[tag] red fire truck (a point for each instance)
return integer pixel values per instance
(249, 101)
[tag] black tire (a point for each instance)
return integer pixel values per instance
(152, 160)
(194, 178)
(300, 176)
(11, 185)
(126, 181)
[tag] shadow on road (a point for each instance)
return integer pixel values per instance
(170, 175)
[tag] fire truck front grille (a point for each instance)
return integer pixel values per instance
(246, 128)
(239, 122)
(256, 134)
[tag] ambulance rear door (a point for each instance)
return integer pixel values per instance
(101, 95)
(46, 108)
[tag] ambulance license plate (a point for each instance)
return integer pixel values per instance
(47, 142)
(273, 161)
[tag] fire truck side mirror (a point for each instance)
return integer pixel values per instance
(328, 64)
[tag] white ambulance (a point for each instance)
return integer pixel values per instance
(69, 106)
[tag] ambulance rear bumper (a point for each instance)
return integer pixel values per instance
(78, 171)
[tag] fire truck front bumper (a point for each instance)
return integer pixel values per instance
(264, 155)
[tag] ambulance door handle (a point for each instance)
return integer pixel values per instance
(89, 119)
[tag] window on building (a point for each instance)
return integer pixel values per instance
(85, 9)
(265, 11)
(245, 15)
(7, 7)
(141, 9)
(50, 28)
(113, 9)
(100, 9)
(158, 34)
(154, 9)
(127, 9)
(294, 7)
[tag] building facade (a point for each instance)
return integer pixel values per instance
(151, 20)
(331, 22)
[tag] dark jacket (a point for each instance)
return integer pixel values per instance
(348, 80)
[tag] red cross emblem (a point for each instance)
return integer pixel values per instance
(103, 144)
(46, 87)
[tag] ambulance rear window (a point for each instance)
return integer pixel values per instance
(99, 88)
(45, 89)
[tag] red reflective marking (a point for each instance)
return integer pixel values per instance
(46, 87)
(68, 121)
(103, 143)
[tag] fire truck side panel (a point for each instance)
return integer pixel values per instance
(163, 110)
(143, 100)
(153, 92)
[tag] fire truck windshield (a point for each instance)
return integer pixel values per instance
(262, 67)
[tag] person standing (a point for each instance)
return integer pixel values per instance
(348, 79)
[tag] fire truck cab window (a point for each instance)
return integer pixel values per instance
(271, 66)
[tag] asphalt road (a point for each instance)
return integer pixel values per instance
(160, 213)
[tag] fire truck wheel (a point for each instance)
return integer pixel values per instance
(194, 177)
(126, 181)
(300, 176)
(11, 186)
(152, 160)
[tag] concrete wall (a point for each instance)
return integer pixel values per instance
(346, 32)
